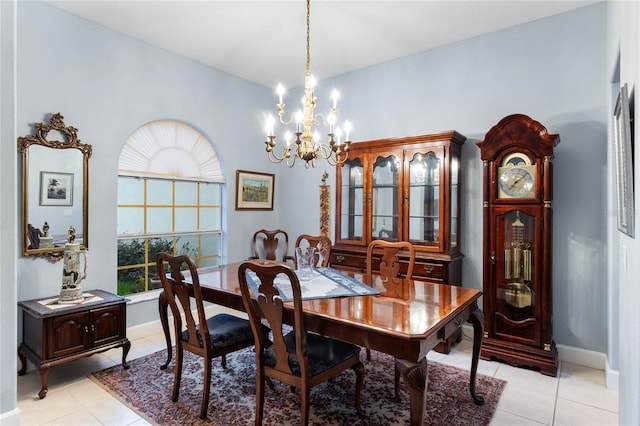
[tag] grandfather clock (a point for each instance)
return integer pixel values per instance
(517, 158)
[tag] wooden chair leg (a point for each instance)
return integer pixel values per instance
(397, 383)
(177, 376)
(206, 389)
(223, 360)
(270, 383)
(359, 369)
(304, 412)
(368, 351)
(260, 396)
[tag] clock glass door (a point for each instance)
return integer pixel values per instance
(516, 276)
(385, 196)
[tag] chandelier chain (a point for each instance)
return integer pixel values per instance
(306, 68)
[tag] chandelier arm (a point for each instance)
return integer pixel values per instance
(287, 122)
(272, 156)
(324, 151)
(320, 118)
(291, 161)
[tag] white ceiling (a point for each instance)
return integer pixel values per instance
(264, 41)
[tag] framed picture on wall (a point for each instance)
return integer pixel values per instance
(56, 189)
(624, 162)
(254, 190)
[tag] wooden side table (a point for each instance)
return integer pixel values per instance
(55, 334)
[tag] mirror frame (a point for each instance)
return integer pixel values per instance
(72, 142)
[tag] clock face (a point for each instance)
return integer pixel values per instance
(516, 181)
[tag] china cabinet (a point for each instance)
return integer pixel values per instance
(517, 220)
(402, 189)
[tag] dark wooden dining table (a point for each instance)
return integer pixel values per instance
(405, 324)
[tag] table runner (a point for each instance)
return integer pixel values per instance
(326, 283)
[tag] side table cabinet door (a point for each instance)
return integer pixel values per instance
(108, 324)
(67, 334)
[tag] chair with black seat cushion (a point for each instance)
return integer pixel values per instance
(270, 245)
(208, 337)
(389, 271)
(297, 357)
(321, 243)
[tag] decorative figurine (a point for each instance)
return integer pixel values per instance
(46, 240)
(71, 235)
(71, 278)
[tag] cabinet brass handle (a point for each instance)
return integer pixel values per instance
(86, 329)
(458, 322)
(339, 258)
(428, 269)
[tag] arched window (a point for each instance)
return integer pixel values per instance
(169, 200)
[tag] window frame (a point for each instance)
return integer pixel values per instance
(202, 258)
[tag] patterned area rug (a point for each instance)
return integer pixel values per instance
(147, 390)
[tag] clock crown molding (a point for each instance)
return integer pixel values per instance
(522, 131)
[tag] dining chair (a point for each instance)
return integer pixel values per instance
(389, 272)
(295, 356)
(270, 245)
(389, 266)
(322, 245)
(207, 337)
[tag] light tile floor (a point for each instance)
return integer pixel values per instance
(578, 395)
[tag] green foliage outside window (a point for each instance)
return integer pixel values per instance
(132, 252)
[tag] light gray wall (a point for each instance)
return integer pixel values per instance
(551, 70)
(8, 215)
(623, 66)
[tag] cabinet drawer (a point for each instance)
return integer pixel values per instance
(452, 327)
(348, 261)
(433, 271)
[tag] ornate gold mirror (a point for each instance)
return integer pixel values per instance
(55, 189)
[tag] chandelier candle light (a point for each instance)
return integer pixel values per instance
(306, 144)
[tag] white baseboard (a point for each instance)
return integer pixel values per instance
(10, 418)
(583, 357)
(611, 377)
(578, 356)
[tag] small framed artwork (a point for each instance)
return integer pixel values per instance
(56, 189)
(624, 162)
(254, 190)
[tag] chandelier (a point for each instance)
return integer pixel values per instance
(305, 143)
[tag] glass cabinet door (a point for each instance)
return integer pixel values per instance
(352, 200)
(455, 196)
(424, 199)
(384, 198)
